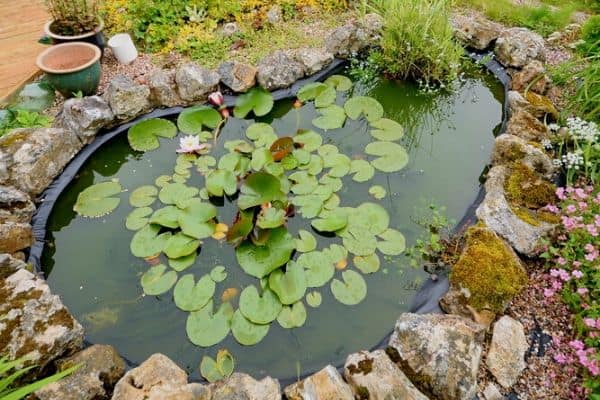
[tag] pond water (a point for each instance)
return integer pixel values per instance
(88, 261)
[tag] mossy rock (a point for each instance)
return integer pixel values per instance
(525, 188)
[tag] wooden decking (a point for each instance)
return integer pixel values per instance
(21, 25)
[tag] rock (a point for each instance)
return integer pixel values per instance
(35, 323)
(506, 355)
(496, 213)
(491, 392)
(314, 59)
(163, 89)
(354, 36)
(455, 302)
(534, 71)
(15, 236)
(33, 157)
(279, 70)
(517, 47)
(85, 116)
(15, 206)
(230, 29)
(242, 386)
(327, 384)
(9, 265)
(475, 31)
(524, 125)
(126, 98)
(101, 368)
(511, 148)
(374, 375)
(516, 102)
(195, 83)
(275, 14)
(238, 76)
(190, 391)
(439, 353)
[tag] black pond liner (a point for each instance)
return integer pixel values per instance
(427, 297)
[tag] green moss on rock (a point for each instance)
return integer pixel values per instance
(525, 188)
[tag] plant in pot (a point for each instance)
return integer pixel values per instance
(75, 21)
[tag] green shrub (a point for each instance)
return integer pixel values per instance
(590, 32)
(13, 119)
(417, 41)
(586, 101)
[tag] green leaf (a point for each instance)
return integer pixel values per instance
(177, 193)
(144, 135)
(221, 181)
(246, 332)
(225, 362)
(156, 282)
(259, 261)
(318, 268)
(191, 120)
(335, 184)
(147, 242)
(359, 105)
(387, 130)
(377, 191)
(218, 274)
(310, 140)
(392, 156)
(96, 201)
(180, 245)
(205, 328)
(290, 285)
(240, 146)
(367, 264)
(313, 299)
(182, 263)
(262, 134)
(339, 164)
(306, 242)
(230, 162)
(352, 290)
(393, 242)
(256, 99)
(330, 221)
(205, 163)
(332, 117)
(362, 170)
(359, 241)
(372, 216)
(196, 219)
(138, 218)
(209, 370)
(162, 181)
(258, 188)
(302, 155)
(241, 227)
(340, 82)
(260, 157)
(292, 316)
(191, 296)
(335, 253)
(332, 202)
(143, 196)
(322, 94)
(259, 309)
(167, 216)
(270, 218)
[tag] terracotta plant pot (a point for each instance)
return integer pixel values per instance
(95, 37)
(72, 67)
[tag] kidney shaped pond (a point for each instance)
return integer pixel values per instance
(312, 269)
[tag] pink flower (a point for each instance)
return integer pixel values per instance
(589, 322)
(561, 261)
(577, 345)
(552, 208)
(582, 205)
(598, 323)
(576, 264)
(556, 285)
(561, 358)
(571, 208)
(592, 230)
(591, 256)
(190, 144)
(589, 248)
(597, 220)
(548, 292)
(577, 274)
(582, 290)
(581, 194)
(216, 99)
(560, 193)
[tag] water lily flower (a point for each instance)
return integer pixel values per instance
(216, 99)
(191, 144)
(297, 103)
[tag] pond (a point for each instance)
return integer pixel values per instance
(448, 137)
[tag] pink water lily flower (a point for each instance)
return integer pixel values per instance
(191, 144)
(216, 99)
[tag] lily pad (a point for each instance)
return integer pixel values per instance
(260, 309)
(290, 285)
(359, 241)
(147, 242)
(96, 200)
(162, 180)
(205, 163)
(310, 140)
(306, 242)
(322, 94)
(362, 105)
(341, 83)
(221, 181)
(393, 242)
(258, 188)
(262, 134)
(318, 268)
(144, 135)
(352, 290)
(191, 120)
(196, 219)
(156, 282)
(362, 170)
(180, 245)
(257, 99)
(218, 274)
(246, 332)
(293, 316)
(387, 130)
(260, 157)
(332, 117)
(177, 194)
(138, 218)
(143, 196)
(222, 368)
(367, 264)
(270, 218)
(377, 191)
(205, 328)
(313, 299)
(339, 164)
(182, 263)
(191, 296)
(335, 253)
(392, 156)
(167, 216)
(330, 221)
(372, 216)
(259, 261)
(241, 228)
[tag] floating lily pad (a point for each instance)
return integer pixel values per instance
(196, 219)
(359, 241)
(322, 94)
(362, 105)
(205, 328)
(318, 268)
(332, 202)
(371, 216)
(147, 242)
(310, 140)
(393, 242)
(162, 180)
(339, 164)
(191, 120)
(180, 245)
(246, 332)
(177, 193)
(258, 188)
(367, 264)
(96, 200)
(290, 285)
(167, 216)
(218, 274)
(182, 263)
(270, 218)
(377, 191)
(221, 181)
(341, 83)
(352, 290)
(241, 228)
(257, 100)
(143, 196)
(293, 316)
(144, 135)
(222, 368)
(156, 282)
(260, 157)
(262, 134)
(259, 261)
(138, 218)
(332, 117)
(330, 221)
(313, 299)
(192, 296)
(205, 163)
(335, 253)
(387, 130)
(362, 170)
(260, 309)
(306, 242)
(392, 156)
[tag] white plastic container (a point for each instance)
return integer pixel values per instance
(123, 48)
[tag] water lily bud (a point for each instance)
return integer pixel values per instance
(297, 104)
(216, 99)
(225, 112)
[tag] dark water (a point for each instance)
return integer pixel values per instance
(88, 262)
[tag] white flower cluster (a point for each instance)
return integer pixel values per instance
(571, 160)
(583, 130)
(547, 143)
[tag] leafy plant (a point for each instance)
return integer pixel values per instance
(590, 33)
(73, 17)
(15, 118)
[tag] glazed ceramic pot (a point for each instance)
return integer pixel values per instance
(95, 37)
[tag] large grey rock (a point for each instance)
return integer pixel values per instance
(126, 98)
(532, 76)
(195, 83)
(15, 236)
(496, 213)
(9, 265)
(475, 31)
(491, 392)
(314, 59)
(439, 353)
(31, 158)
(355, 36)
(101, 367)
(506, 355)
(163, 89)
(238, 76)
(35, 324)
(374, 375)
(279, 70)
(327, 384)
(510, 148)
(15, 206)
(242, 386)
(517, 47)
(85, 116)
(527, 126)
